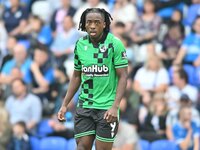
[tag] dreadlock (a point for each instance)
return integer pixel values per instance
(103, 12)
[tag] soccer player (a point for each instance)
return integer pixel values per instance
(100, 66)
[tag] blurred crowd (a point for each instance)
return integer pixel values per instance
(162, 41)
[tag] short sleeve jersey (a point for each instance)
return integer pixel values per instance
(98, 70)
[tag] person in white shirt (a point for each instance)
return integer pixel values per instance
(180, 86)
(151, 77)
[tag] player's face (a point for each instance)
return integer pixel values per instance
(94, 25)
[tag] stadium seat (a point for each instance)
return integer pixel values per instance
(44, 128)
(163, 145)
(71, 144)
(197, 76)
(144, 145)
(53, 143)
(35, 143)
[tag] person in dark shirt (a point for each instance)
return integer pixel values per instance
(15, 18)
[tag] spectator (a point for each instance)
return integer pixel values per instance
(185, 131)
(180, 86)
(172, 116)
(19, 140)
(125, 8)
(151, 77)
(154, 125)
(63, 44)
(23, 106)
(20, 62)
(171, 44)
(38, 31)
(118, 29)
(147, 27)
(5, 128)
(42, 73)
(189, 51)
(15, 18)
(58, 16)
(10, 44)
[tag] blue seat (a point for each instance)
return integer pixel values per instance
(44, 128)
(35, 143)
(53, 143)
(163, 145)
(145, 145)
(71, 144)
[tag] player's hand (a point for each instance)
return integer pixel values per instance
(61, 114)
(111, 114)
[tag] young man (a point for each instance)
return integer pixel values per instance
(100, 66)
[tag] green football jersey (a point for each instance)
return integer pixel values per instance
(98, 66)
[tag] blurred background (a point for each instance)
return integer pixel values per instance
(160, 109)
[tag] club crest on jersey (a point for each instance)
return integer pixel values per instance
(103, 48)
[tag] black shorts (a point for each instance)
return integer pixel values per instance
(91, 122)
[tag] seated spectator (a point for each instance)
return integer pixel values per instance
(189, 51)
(10, 44)
(63, 44)
(58, 16)
(180, 86)
(20, 61)
(147, 27)
(38, 31)
(124, 8)
(42, 72)
(185, 131)
(5, 128)
(15, 18)
(118, 29)
(151, 77)
(154, 124)
(20, 139)
(172, 117)
(23, 106)
(127, 138)
(171, 44)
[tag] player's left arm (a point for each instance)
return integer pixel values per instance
(112, 114)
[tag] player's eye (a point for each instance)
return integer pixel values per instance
(88, 22)
(97, 22)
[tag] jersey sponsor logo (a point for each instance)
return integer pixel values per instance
(95, 70)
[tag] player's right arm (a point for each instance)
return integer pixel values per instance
(73, 87)
(74, 84)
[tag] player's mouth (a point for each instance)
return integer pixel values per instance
(93, 33)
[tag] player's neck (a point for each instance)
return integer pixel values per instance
(97, 40)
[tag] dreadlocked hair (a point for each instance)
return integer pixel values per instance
(103, 12)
